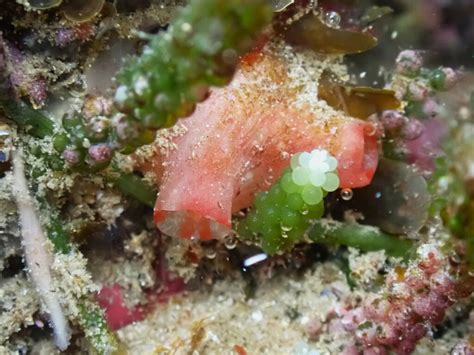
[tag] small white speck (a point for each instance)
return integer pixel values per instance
(444, 182)
(121, 94)
(464, 113)
(363, 75)
(394, 35)
(304, 320)
(186, 27)
(212, 336)
(141, 84)
(257, 316)
(255, 259)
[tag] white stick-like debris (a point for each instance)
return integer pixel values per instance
(37, 254)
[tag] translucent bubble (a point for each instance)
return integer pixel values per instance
(332, 19)
(210, 253)
(332, 182)
(347, 194)
(230, 241)
(300, 176)
(312, 195)
(285, 229)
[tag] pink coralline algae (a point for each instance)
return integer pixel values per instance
(100, 153)
(414, 300)
(423, 150)
(464, 347)
(81, 32)
(409, 62)
(396, 124)
(23, 83)
(118, 314)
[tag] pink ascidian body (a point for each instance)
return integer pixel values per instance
(239, 141)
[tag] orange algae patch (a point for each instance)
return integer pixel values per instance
(400, 273)
(240, 350)
(239, 141)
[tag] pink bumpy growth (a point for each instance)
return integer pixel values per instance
(419, 297)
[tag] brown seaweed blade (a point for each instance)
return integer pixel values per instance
(281, 5)
(311, 32)
(375, 13)
(356, 101)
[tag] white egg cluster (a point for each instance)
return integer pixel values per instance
(312, 174)
(282, 215)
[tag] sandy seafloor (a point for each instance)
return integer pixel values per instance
(275, 321)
